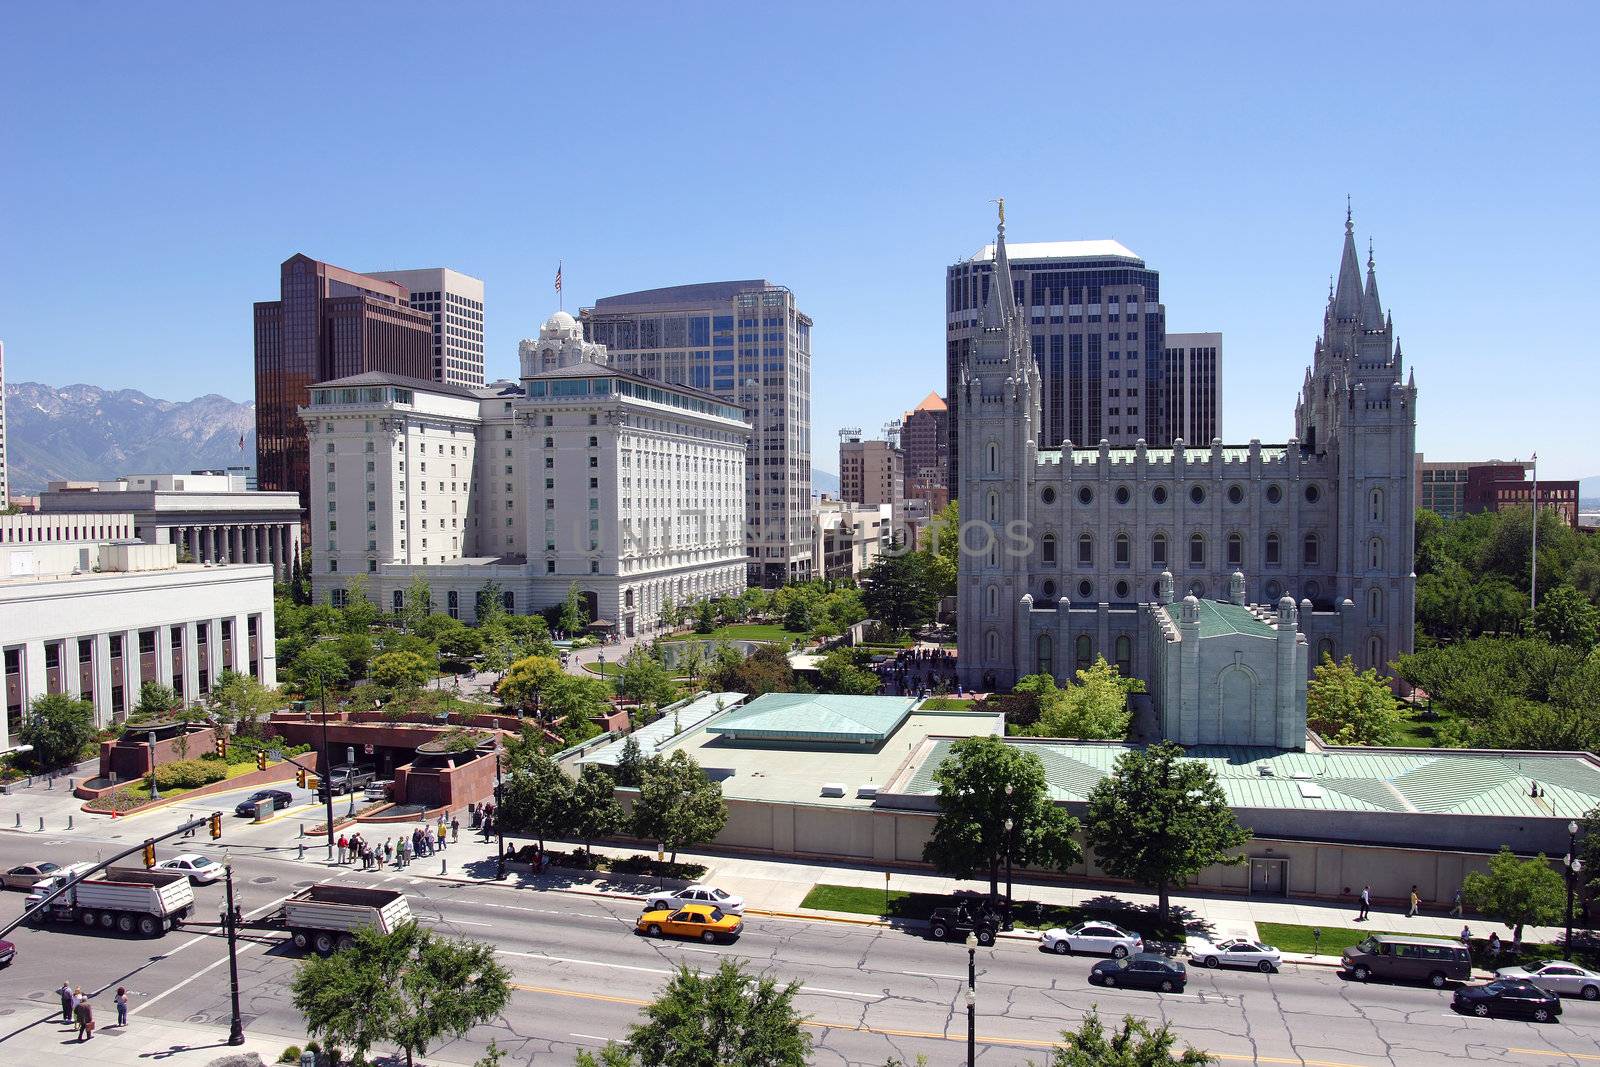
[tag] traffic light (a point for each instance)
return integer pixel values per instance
(300, 778)
(222, 745)
(149, 853)
(261, 761)
(216, 825)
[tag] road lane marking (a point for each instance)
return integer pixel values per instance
(209, 967)
(930, 974)
(1553, 1054)
(593, 1037)
(663, 971)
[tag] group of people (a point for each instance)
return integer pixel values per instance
(424, 840)
(75, 1008)
(923, 670)
(480, 817)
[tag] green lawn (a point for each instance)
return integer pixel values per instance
(1419, 729)
(744, 631)
(947, 704)
(141, 788)
(1027, 914)
(611, 670)
(1298, 940)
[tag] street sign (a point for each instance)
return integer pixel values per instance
(275, 754)
(368, 748)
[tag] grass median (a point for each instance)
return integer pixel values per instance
(1026, 914)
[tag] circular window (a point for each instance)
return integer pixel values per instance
(1235, 494)
(1197, 495)
(1274, 591)
(1197, 588)
(1085, 590)
(1086, 495)
(1048, 495)
(1122, 590)
(1159, 494)
(1313, 590)
(1274, 494)
(1313, 494)
(1122, 494)
(1049, 590)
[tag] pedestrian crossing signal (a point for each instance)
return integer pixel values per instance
(149, 853)
(216, 825)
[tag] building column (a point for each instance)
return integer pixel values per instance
(214, 656)
(131, 681)
(256, 555)
(103, 707)
(35, 683)
(163, 656)
(71, 684)
(271, 533)
(191, 664)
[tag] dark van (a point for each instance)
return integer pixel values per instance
(1408, 959)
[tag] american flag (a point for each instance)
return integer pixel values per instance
(558, 277)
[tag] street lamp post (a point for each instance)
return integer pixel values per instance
(229, 919)
(155, 790)
(1574, 867)
(327, 764)
(972, 1000)
(499, 816)
(1010, 825)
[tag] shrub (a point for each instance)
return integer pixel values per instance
(189, 773)
(290, 1055)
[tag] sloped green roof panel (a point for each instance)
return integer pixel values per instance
(815, 717)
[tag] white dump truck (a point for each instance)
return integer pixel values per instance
(129, 900)
(325, 917)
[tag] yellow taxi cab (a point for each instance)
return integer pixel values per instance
(704, 921)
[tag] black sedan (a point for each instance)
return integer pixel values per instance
(281, 798)
(1142, 970)
(1509, 996)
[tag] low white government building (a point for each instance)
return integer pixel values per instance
(630, 489)
(87, 610)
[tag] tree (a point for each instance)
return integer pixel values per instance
(499, 648)
(970, 835)
(573, 618)
(489, 606)
(317, 666)
(417, 604)
(630, 763)
(156, 701)
(242, 700)
(726, 1019)
(670, 614)
(766, 670)
(1351, 707)
(705, 617)
(1097, 707)
(359, 612)
(1516, 892)
(58, 727)
(644, 679)
(524, 681)
(1564, 616)
(899, 592)
(537, 797)
(355, 649)
(678, 805)
(942, 548)
(409, 987)
(1134, 1044)
(401, 671)
(595, 811)
(1159, 819)
(460, 642)
(842, 671)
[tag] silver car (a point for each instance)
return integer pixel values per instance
(1234, 952)
(1106, 939)
(669, 900)
(1558, 977)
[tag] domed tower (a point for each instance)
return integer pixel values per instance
(560, 344)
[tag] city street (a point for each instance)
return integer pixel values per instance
(872, 992)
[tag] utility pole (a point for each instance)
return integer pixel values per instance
(230, 921)
(1533, 574)
(327, 763)
(500, 837)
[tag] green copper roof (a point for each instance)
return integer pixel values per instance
(1219, 618)
(815, 717)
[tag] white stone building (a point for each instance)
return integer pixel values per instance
(95, 619)
(850, 537)
(581, 475)
(455, 301)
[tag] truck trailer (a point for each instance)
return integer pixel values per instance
(128, 900)
(325, 917)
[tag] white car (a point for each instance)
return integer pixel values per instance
(1558, 977)
(665, 900)
(1106, 939)
(1234, 952)
(202, 870)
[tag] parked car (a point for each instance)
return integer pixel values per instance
(1559, 977)
(8, 952)
(701, 921)
(1106, 939)
(281, 798)
(979, 919)
(1234, 952)
(668, 899)
(25, 875)
(345, 779)
(1408, 959)
(378, 790)
(202, 870)
(1142, 970)
(1508, 996)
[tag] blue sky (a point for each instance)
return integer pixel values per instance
(158, 161)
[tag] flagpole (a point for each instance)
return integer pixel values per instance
(1533, 578)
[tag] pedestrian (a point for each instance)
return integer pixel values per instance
(65, 993)
(1416, 902)
(443, 844)
(1466, 937)
(1494, 946)
(122, 1006)
(84, 1014)
(455, 828)
(1456, 908)
(1366, 903)
(344, 843)
(388, 849)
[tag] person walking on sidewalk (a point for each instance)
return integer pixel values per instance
(1366, 903)
(65, 993)
(1466, 938)
(122, 1006)
(1456, 908)
(455, 828)
(343, 843)
(443, 843)
(1416, 903)
(84, 1014)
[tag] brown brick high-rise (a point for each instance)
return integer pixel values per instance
(329, 323)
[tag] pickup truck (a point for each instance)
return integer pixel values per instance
(346, 779)
(325, 917)
(126, 899)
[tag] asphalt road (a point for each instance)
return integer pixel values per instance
(581, 976)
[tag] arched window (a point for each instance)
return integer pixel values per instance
(1047, 549)
(1325, 650)
(1235, 550)
(994, 507)
(1375, 651)
(1375, 549)
(399, 601)
(994, 601)
(1197, 550)
(1375, 604)
(1046, 659)
(1158, 550)
(1085, 652)
(994, 457)
(1273, 550)
(1124, 550)
(1124, 656)
(1377, 505)
(1309, 557)
(991, 646)
(1085, 550)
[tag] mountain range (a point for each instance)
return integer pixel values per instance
(87, 433)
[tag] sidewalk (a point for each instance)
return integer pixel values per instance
(43, 1041)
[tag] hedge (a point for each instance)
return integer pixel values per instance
(190, 773)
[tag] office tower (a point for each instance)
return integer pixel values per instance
(328, 323)
(925, 440)
(455, 301)
(747, 343)
(5, 483)
(1193, 384)
(1093, 314)
(871, 472)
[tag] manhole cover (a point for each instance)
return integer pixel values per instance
(304, 885)
(38, 995)
(265, 879)
(8, 1011)
(198, 1017)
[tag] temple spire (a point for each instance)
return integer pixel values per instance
(997, 308)
(1371, 307)
(1347, 294)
